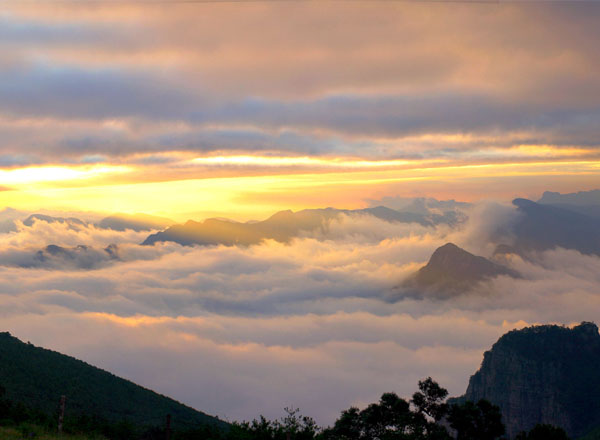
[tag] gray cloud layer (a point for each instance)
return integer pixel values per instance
(309, 85)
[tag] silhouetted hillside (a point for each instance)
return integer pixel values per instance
(452, 269)
(38, 377)
(581, 198)
(541, 227)
(583, 202)
(543, 374)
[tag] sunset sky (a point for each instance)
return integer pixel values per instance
(242, 109)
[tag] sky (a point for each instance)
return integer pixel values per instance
(243, 109)
(228, 109)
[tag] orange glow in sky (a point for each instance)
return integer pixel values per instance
(256, 192)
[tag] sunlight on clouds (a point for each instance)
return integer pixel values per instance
(129, 321)
(240, 110)
(260, 193)
(52, 174)
(273, 161)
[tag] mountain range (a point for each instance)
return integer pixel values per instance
(541, 227)
(285, 225)
(116, 222)
(584, 202)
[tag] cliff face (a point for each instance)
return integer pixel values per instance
(543, 374)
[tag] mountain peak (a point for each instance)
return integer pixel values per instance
(451, 268)
(450, 249)
(285, 214)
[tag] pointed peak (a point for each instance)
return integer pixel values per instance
(449, 249)
(282, 214)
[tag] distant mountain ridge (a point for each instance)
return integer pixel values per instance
(38, 377)
(135, 222)
(70, 221)
(285, 225)
(542, 227)
(543, 374)
(580, 198)
(451, 269)
(116, 222)
(583, 202)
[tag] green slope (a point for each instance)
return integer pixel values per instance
(38, 377)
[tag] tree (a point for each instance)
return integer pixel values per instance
(430, 409)
(294, 425)
(480, 421)
(429, 400)
(544, 432)
(348, 426)
(393, 418)
(388, 419)
(299, 427)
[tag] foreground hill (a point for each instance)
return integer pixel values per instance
(544, 374)
(38, 377)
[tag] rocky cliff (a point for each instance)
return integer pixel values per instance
(543, 374)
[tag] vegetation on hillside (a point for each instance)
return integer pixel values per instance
(427, 416)
(102, 406)
(37, 377)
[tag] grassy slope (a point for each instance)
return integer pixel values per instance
(593, 435)
(19, 434)
(38, 377)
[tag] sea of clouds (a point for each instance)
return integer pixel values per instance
(319, 323)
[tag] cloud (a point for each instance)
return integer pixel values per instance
(242, 331)
(318, 83)
(60, 243)
(239, 331)
(35, 89)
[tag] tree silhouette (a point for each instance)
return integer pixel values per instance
(476, 421)
(544, 432)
